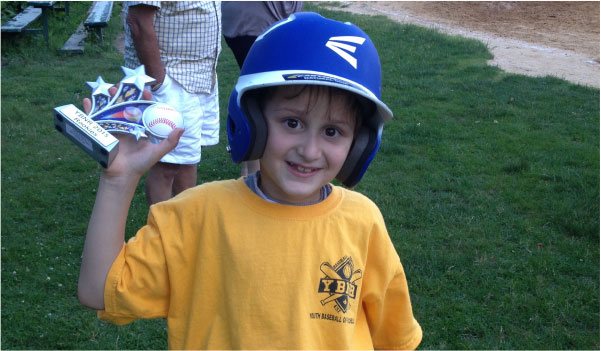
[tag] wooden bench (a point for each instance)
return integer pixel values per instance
(51, 5)
(75, 43)
(45, 6)
(99, 16)
(22, 20)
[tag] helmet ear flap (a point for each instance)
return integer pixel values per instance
(253, 112)
(239, 131)
(246, 128)
(363, 150)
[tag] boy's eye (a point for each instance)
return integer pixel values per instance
(331, 132)
(292, 123)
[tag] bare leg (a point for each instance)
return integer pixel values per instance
(185, 178)
(159, 182)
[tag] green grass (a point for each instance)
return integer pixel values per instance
(488, 181)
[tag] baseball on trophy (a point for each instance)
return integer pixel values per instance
(161, 119)
(132, 114)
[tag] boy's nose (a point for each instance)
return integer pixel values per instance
(310, 148)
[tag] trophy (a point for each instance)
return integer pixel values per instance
(124, 112)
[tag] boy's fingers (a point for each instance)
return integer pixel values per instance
(171, 142)
(146, 95)
(174, 136)
(87, 105)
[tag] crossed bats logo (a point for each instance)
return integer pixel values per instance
(339, 283)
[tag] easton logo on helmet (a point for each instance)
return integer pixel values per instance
(337, 44)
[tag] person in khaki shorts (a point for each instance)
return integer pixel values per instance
(178, 43)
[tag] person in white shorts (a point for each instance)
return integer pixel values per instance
(201, 118)
(178, 43)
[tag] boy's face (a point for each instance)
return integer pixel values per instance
(310, 134)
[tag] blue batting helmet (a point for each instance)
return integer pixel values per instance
(309, 49)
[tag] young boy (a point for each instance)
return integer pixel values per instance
(281, 259)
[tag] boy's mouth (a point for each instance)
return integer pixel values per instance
(302, 169)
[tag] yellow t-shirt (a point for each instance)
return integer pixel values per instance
(231, 271)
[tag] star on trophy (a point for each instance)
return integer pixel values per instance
(121, 113)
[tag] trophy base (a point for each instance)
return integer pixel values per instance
(86, 133)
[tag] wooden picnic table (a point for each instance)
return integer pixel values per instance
(47, 6)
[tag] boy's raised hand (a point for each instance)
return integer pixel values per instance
(136, 157)
(116, 188)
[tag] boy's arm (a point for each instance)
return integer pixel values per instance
(105, 237)
(106, 229)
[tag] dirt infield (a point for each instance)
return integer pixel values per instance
(556, 38)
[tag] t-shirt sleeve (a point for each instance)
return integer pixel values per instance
(386, 300)
(137, 285)
(391, 319)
